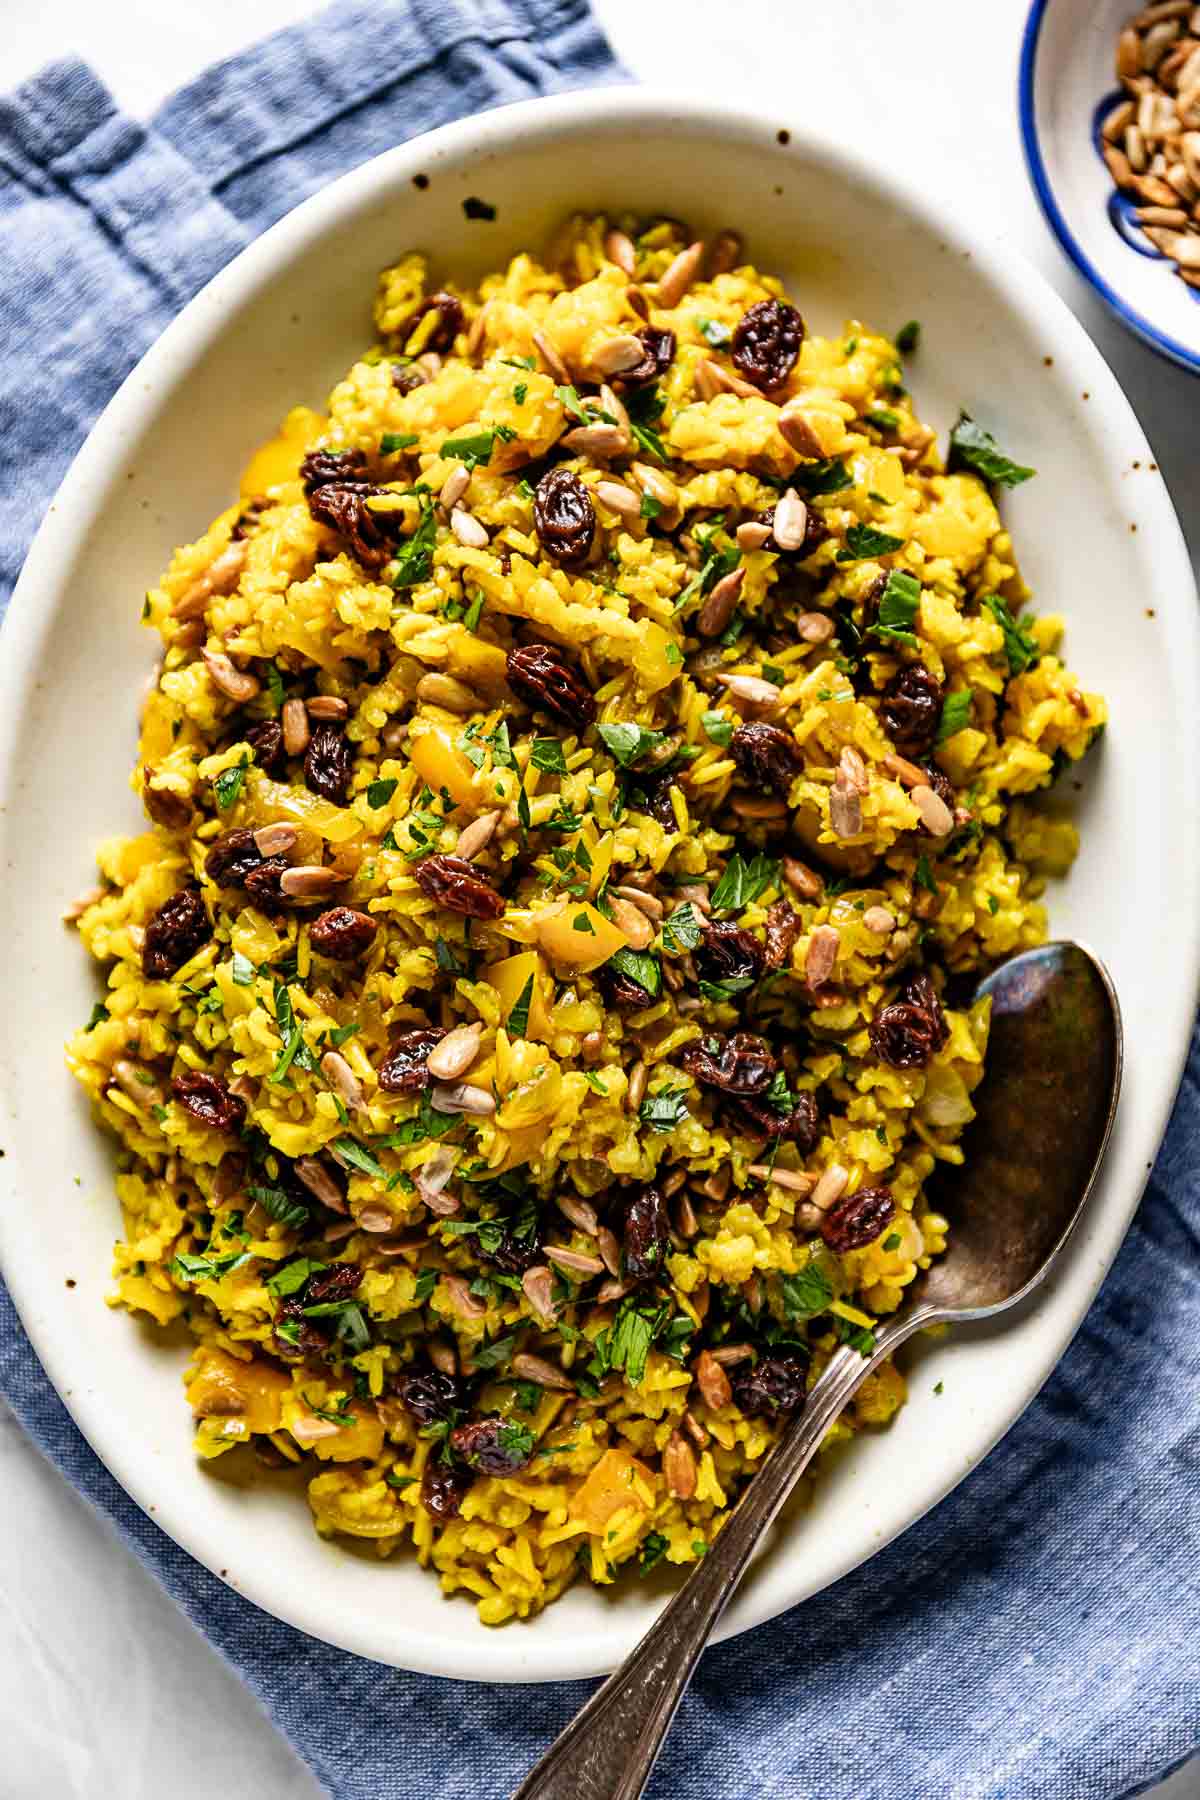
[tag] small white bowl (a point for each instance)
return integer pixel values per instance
(1066, 89)
(1099, 543)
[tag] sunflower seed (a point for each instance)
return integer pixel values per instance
(609, 1249)
(461, 1298)
(599, 441)
(573, 1259)
(823, 947)
(752, 534)
(235, 683)
(801, 879)
(327, 708)
(553, 361)
(752, 690)
(476, 836)
(650, 904)
(463, 1098)
(341, 1076)
(275, 840)
(815, 627)
(455, 696)
(795, 1180)
(537, 1369)
(619, 498)
(936, 816)
(455, 486)
(879, 920)
(310, 881)
(679, 1467)
(679, 275)
(220, 578)
(830, 1186)
(790, 523)
(580, 1214)
(136, 1080)
(636, 1091)
(845, 808)
(852, 766)
(455, 1053)
(618, 248)
(293, 718)
(468, 530)
(797, 431)
(618, 355)
(726, 253)
(312, 1173)
(478, 332)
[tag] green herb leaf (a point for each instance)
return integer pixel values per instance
(806, 1293)
(908, 337)
(342, 1033)
(547, 754)
(474, 612)
(725, 990)
(650, 507)
(496, 1355)
(581, 922)
(518, 1018)
(520, 391)
(414, 559)
(391, 441)
(594, 1082)
(274, 685)
(654, 1548)
(187, 1268)
(743, 882)
(956, 713)
(830, 476)
(100, 1012)
(381, 791)
(627, 744)
(1020, 645)
(898, 607)
(244, 970)
(641, 966)
(228, 784)
(281, 1206)
(665, 1109)
(883, 419)
(974, 448)
(475, 449)
(572, 404)
(923, 876)
(864, 540)
(717, 727)
(359, 1157)
(682, 929)
(427, 1280)
(293, 1275)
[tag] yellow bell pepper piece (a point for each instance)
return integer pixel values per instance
(223, 1388)
(279, 459)
(509, 978)
(439, 761)
(652, 657)
(573, 932)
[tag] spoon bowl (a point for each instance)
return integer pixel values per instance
(1044, 1115)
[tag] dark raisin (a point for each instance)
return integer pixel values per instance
(646, 1237)
(783, 927)
(208, 1100)
(262, 883)
(766, 343)
(232, 857)
(431, 1397)
(654, 799)
(328, 763)
(727, 953)
(911, 707)
(343, 506)
(739, 1064)
(622, 991)
(565, 517)
(405, 377)
(492, 1446)
(330, 468)
(771, 1386)
(449, 322)
(266, 740)
(858, 1219)
(660, 354)
(444, 1486)
(174, 934)
(909, 1031)
(457, 885)
(342, 933)
(758, 1118)
(541, 677)
(404, 1071)
(337, 1281)
(766, 756)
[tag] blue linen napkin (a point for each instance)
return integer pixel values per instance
(1035, 1637)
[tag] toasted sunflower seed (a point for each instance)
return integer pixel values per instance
(679, 275)
(446, 690)
(719, 608)
(468, 530)
(538, 1370)
(574, 1259)
(618, 248)
(455, 486)
(453, 1055)
(553, 361)
(726, 253)
(830, 1186)
(752, 534)
(341, 1077)
(618, 355)
(275, 840)
(750, 689)
(476, 836)
(293, 718)
(310, 881)
(879, 920)
(236, 684)
(599, 441)
(463, 1098)
(936, 816)
(815, 627)
(823, 947)
(327, 708)
(619, 498)
(790, 523)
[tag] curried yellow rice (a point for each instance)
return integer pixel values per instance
(470, 1234)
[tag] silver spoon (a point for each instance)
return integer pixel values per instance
(1044, 1113)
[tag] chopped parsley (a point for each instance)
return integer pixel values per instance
(827, 477)
(187, 1268)
(359, 1157)
(717, 727)
(743, 882)
(627, 744)
(908, 337)
(974, 448)
(865, 540)
(293, 1275)
(650, 507)
(474, 612)
(281, 1206)
(100, 1012)
(518, 1018)
(641, 966)
(476, 449)
(414, 559)
(714, 333)
(1020, 645)
(391, 441)
(654, 1548)
(227, 786)
(923, 877)
(243, 970)
(682, 930)
(547, 754)
(806, 1293)
(898, 609)
(381, 791)
(956, 713)
(663, 1110)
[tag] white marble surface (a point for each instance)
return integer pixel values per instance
(107, 1690)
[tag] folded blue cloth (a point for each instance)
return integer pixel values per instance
(1035, 1638)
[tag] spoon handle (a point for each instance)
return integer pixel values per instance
(609, 1748)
